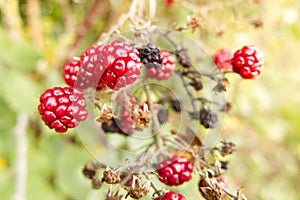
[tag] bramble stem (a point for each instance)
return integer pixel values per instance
(155, 123)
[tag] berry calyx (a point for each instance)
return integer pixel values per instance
(222, 59)
(62, 108)
(247, 62)
(175, 170)
(167, 67)
(171, 196)
(214, 189)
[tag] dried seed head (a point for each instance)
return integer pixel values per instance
(221, 85)
(142, 118)
(227, 148)
(107, 114)
(138, 193)
(194, 23)
(110, 177)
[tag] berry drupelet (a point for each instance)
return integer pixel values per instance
(62, 108)
(247, 62)
(175, 170)
(171, 196)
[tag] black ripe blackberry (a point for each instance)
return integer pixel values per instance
(150, 56)
(208, 118)
(112, 127)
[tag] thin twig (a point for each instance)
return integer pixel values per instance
(21, 164)
(155, 123)
(122, 19)
(185, 84)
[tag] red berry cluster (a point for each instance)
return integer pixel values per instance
(175, 170)
(222, 59)
(171, 196)
(62, 108)
(115, 65)
(247, 62)
(167, 67)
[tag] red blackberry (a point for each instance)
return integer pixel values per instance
(247, 62)
(62, 108)
(223, 59)
(171, 196)
(167, 67)
(71, 70)
(175, 170)
(92, 67)
(122, 65)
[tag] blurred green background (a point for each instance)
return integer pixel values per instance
(37, 37)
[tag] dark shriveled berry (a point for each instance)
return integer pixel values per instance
(208, 118)
(112, 127)
(176, 105)
(162, 116)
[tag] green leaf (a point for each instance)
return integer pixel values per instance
(20, 92)
(6, 183)
(69, 167)
(23, 56)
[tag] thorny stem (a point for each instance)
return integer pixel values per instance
(155, 123)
